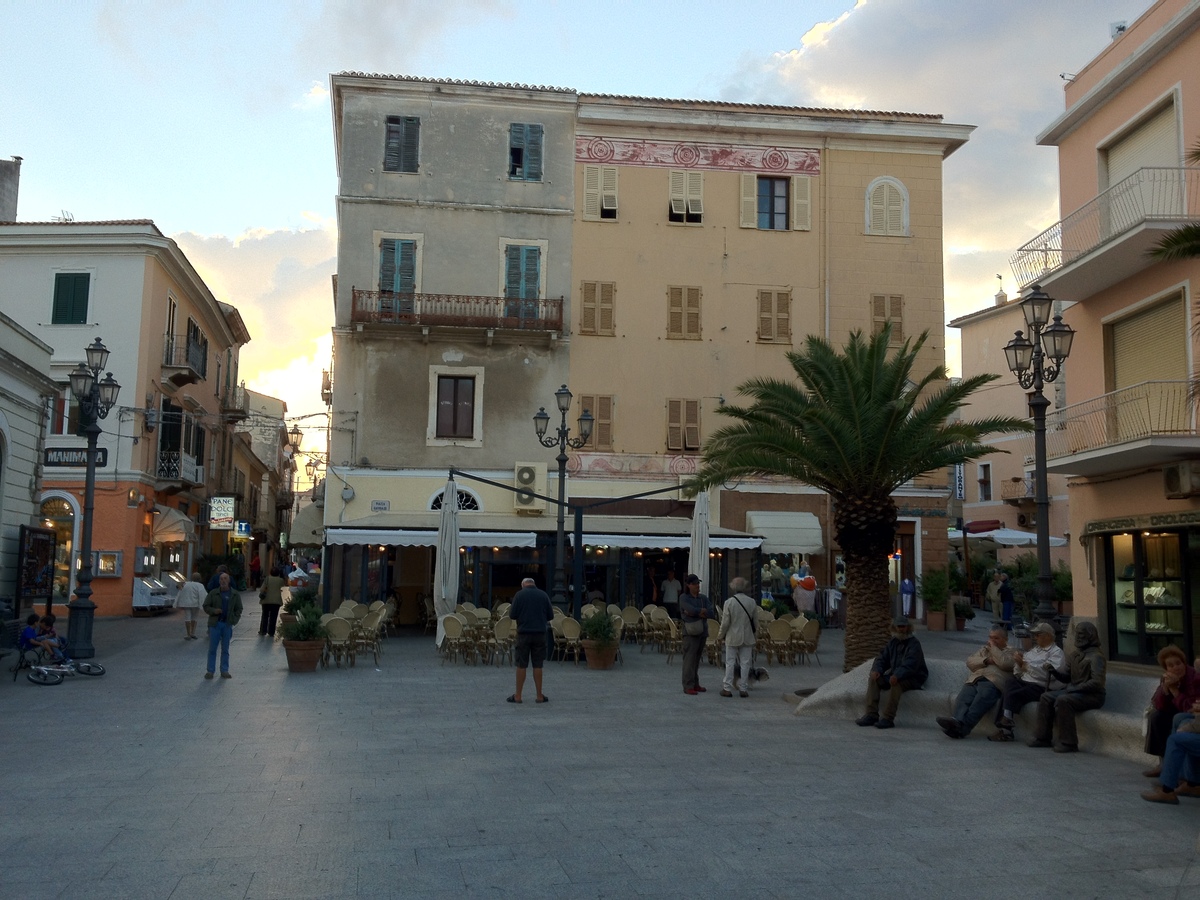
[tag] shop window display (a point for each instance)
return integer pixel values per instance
(1148, 594)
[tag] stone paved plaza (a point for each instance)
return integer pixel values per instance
(414, 779)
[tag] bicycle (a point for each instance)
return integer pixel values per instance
(53, 671)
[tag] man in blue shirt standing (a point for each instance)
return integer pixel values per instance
(695, 609)
(224, 608)
(531, 612)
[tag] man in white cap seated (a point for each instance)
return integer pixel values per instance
(1032, 674)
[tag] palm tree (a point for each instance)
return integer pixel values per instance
(1184, 241)
(857, 426)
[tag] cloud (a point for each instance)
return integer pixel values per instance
(992, 65)
(316, 95)
(280, 281)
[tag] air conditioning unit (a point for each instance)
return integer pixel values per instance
(1181, 480)
(531, 477)
(1027, 520)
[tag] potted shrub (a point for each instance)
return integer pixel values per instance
(934, 587)
(304, 639)
(298, 599)
(599, 640)
(962, 611)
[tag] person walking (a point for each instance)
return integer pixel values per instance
(694, 610)
(1006, 601)
(189, 599)
(531, 611)
(270, 598)
(224, 607)
(737, 630)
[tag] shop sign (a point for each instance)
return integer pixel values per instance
(221, 511)
(242, 528)
(73, 457)
(1136, 523)
(381, 505)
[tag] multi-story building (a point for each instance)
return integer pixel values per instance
(999, 488)
(169, 442)
(25, 387)
(271, 443)
(1129, 440)
(499, 241)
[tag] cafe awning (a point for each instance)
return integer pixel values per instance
(413, 537)
(307, 527)
(172, 526)
(786, 532)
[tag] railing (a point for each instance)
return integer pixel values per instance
(1021, 489)
(1148, 195)
(180, 353)
(284, 500)
(236, 402)
(1139, 411)
(387, 308)
(174, 465)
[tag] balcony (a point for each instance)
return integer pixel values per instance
(284, 500)
(184, 361)
(1017, 491)
(1147, 424)
(235, 405)
(425, 311)
(1108, 239)
(179, 467)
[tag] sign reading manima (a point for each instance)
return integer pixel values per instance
(73, 457)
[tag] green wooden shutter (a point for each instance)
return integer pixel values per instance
(401, 144)
(387, 265)
(516, 150)
(391, 144)
(533, 153)
(531, 258)
(411, 144)
(406, 267)
(512, 271)
(70, 298)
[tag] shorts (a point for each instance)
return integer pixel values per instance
(190, 613)
(530, 646)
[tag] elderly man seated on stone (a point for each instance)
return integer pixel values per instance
(899, 668)
(1181, 761)
(1034, 672)
(1058, 708)
(990, 667)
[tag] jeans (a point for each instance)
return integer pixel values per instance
(219, 633)
(738, 656)
(1181, 746)
(974, 700)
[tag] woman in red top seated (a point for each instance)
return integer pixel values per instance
(1178, 689)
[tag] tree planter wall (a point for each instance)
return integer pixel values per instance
(303, 656)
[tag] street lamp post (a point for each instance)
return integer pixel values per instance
(541, 422)
(95, 398)
(1037, 362)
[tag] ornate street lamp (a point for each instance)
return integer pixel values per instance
(95, 398)
(1037, 362)
(296, 435)
(563, 439)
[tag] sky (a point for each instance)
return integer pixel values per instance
(212, 118)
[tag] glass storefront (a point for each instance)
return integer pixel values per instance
(1153, 592)
(58, 516)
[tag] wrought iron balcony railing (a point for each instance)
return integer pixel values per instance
(1017, 489)
(1158, 195)
(464, 311)
(235, 403)
(181, 353)
(174, 465)
(1149, 409)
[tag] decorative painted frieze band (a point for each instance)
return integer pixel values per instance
(631, 465)
(691, 155)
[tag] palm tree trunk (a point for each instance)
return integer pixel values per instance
(868, 606)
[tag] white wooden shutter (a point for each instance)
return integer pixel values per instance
(692, 313)
(674, 424)
(677, 186)
(1153, 143)
(695, 193)
(608, 188)
(591, 192)
(749, 200)
(587, 308)
(801, 203)
(675, 312)
(600, 406)
(605, 311)
(691, 424)
(894, 222)
(766, 315)
(888, 308)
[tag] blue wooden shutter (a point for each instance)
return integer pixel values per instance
(516, 150)
(533, 153)
(387, 265)
(512, 271)
(530, 271)
(406, 268)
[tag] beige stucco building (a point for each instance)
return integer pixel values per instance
(1128, 440)
(498, 241)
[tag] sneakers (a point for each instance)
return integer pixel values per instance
(726, 693)
(867, 720)
(885, 723)
(950, 727)
(691, 692)
(208, 676)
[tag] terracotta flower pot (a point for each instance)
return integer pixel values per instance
(303, 656)
(599, 656)
(935, 621)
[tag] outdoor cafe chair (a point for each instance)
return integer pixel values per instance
(713, 643)
(810, 637)
(779, 642)
(452, 641)
(339, 644)
(672, 642)
(502, 640)
(632, 620)
(366, 636)
(571, 636)
(614, 610)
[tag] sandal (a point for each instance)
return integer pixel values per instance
(543, 699)
(1001, 736)
(512, 698)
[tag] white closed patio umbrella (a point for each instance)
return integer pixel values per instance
(698, 560)
(445, 567)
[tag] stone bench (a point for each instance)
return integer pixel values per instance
(1116, 729)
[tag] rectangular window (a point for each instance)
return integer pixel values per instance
(683, 424)
(401, 144)
(524, 152)
(599, 193)
(70, 298)
(887, 308)
(686, 201)
(774, 316)
(985, 482)
(772, 204)
(601, 408)
(455, 406)
(683, 313)
(64, 413)
(397, 276)
(596, 307)
(522, 280)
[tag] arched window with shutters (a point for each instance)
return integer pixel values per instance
(887, 207)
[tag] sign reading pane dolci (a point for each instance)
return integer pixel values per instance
(221, 512)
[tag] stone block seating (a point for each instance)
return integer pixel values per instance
(1113, 730)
